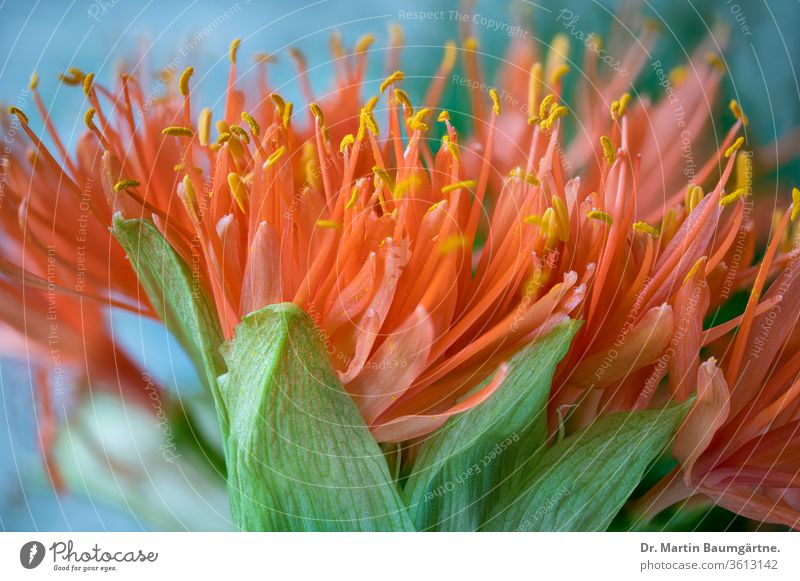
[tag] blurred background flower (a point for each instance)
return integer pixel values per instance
(156, 465)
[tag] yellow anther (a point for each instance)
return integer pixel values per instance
(533, 219)
(264, 58)
(402, 98)
(73, 77)
(744, 171)
(645, 228)
(795, 203)
(370, 105)
(678, 75)
(468, 184)
(393, 78)
(275, 156)
(250, 120)
(495, 102)
(353, 199)
(609, 150)
(417, 122)
(88, 118)
(34, 82)
(204, 126)
(190, 198)
(695, 268)
(287, 116)
(238, 190)
(545, 105)
(600, 215)
(183, 82)
(88, 82)
(384, 176)
(534, 87)
(234, 48)
(471, 44)
(346, 142)
(317, 113)
(451, 147)
(280, 104)
(125, 184)
(558, 73)
(618, 107)
(331, 224)
(735, 147)
(695, 196)
(16, 111)
(223, 137)
(401, 188)
(298, 56)
(364, 43)
(526, 177)
(366, 123)
(452, 244)
(716, 61)
(733, 196)
(556, 113)
(736, 109)
(562, 217)
(443, 116)
(450, 55)
(240, 133)
(177, 131)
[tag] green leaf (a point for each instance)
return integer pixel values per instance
(582, 482)
(179, 300)
(483, 455)
(300, 457)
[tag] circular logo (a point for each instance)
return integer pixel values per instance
(31, 554)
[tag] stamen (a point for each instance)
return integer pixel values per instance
(88, 118)
(645, 228)
(34, 82)
(183, 83)
(329, 224)
(469, 184)
(190, 198)
(364, 43)
(562, 217)
(443, 116)
(527, 177)
(16, 111)
(716, 61)
(417, 122)
(317, 113)
(241, 133)
(88, 81)
(234, 49)
(250, 120)
(73, 77)
(367, 122)
(534, 87)
(393, 78)
(402, 97)
(347, 141)
(737, 112)
(795, 203)
(204, 126)
(238, 190)
(353, 198)
(370, 105)
(287, 114)
(618, 107)
(495, 102)
(558, 73)
(384, 176)
(125, 184)
(545, 105)
(732, 197)
(609, 151)
(695, 196)
(600, 215)
(695, 267)
(276, 155)
(452, 243)
(734, 148)
(177, 131)
(280, 104)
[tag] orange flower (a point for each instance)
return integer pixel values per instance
(739, 443)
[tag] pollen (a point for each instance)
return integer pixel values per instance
(183, 83)
(125, 184)
(250, 120)
(618, 107)
(443, 116)
(735, 147)
(732, 197)
(204, 126)
(600, 216)
(469, 184)
(645, 228)
(88, 82)
(238, 190)
(177, 131)
(495, 102)
(609, 150)
(417, 122)
(346, 142)
(395, 77)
